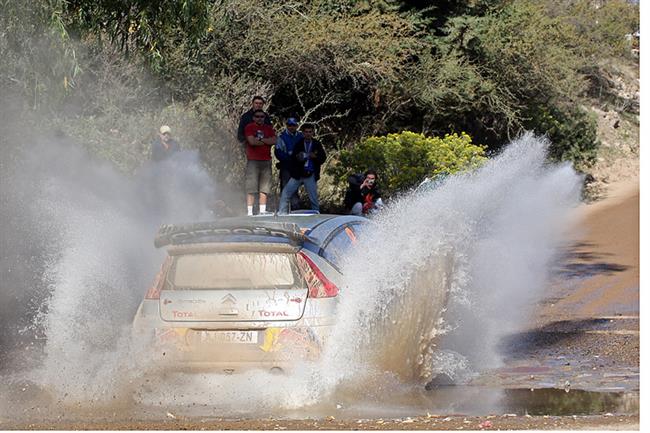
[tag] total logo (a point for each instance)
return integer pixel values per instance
(181, 314)
(264, 313)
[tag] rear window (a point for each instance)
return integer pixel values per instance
(233, 271)
(340, 245)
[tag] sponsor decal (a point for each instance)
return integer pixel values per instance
(264, 313)
(296, 300)
(302, 342)
(181, 314)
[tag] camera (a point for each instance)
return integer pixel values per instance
(370, 181)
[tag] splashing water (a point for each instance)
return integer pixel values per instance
(433, 284)
(101, 224)
(458, 266)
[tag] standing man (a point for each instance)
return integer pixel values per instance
(163, 146)
(247, 117)
(259, 137)
(284, 146)
(307, 157)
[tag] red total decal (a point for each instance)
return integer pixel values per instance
(265, 313)
(181, 314)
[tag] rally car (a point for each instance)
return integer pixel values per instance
(245, 292)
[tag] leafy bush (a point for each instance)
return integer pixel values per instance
(572, 132)
(403, 160)
(486, 70)
(598, 30)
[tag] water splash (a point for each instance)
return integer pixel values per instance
(453, 269)
(435, 281)
(101, 224)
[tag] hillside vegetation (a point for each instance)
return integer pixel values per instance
(108, 73)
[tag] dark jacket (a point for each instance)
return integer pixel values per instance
(284, 148)
(244, 120)
(297, 167)
(160, 152)
(356, 194)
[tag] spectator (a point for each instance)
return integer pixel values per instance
(363, 196)
(260, 137)
(163, 146)
(307, 157)
(283, 150)
(247, 117)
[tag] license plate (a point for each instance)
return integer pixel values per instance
(236, 337)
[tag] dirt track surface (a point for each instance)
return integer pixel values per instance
(586, 331)
(609, 422)
(601, 274)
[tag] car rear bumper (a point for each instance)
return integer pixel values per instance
(276, 349)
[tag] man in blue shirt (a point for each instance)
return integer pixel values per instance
(284, 146)
(306, 160)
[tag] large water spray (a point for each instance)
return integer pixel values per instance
(439, 277)
(433, 284)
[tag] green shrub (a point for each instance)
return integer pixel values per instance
(572, 132)
(403, 160)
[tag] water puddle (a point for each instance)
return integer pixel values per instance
(481, 401)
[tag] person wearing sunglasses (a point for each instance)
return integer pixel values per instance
(247, 117)
(259, 139)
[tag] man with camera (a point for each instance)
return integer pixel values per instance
(363, 196)
(284, 145)
(307, 157)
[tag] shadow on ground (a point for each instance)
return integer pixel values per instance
(553, 335)
(579, 261)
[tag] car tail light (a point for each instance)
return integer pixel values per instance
(159, 281)
(319, 285)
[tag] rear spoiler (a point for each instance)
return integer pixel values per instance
(173, 234)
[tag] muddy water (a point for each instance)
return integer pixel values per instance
(31, 404)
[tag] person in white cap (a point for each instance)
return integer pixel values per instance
(164, 146)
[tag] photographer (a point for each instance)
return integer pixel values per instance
(284, 145)
(363, 196)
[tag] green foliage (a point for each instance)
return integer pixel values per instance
(403, 160)
(572, 132)
(355, 68)
(598, 30)
(489, 68)
(38, 56)
(313, 57)
(145, 25)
